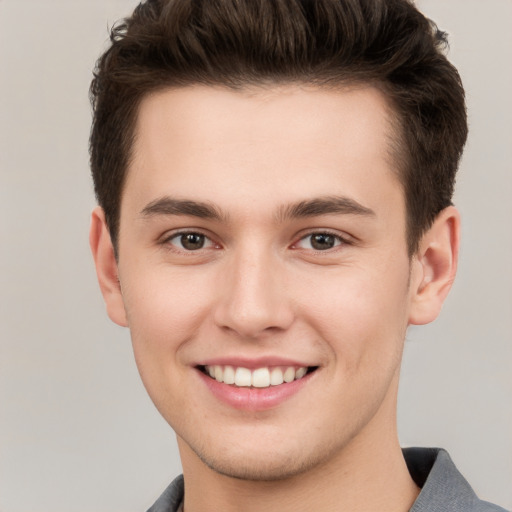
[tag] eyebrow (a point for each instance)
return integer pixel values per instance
(171, 206)
(324, 206)
(308, 208)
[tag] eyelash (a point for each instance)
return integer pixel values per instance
(339, 241)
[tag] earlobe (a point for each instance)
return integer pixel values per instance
(434, 267)
(106, 267)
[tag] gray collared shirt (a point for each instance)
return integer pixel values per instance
(443, 488)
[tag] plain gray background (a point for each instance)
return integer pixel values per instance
(77, 431)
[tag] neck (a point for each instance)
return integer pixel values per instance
(385, 485)
(368, 475)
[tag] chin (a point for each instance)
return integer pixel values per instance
(258, 461)
(259, 470)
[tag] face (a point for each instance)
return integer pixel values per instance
(264, 273)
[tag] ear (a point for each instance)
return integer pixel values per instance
(106, 267)
(434, 267)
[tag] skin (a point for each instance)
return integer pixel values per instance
(258, 289)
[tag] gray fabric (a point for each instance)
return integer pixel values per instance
(171, 498)
(443, 488)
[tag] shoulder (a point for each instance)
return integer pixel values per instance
(442, 486)
(485, 506)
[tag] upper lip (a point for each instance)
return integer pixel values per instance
(253, 363)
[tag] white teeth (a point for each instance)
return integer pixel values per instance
(276, 376)
(289, 374)
(229, 375)
(243, 377)
(259, 378)
(300, 372)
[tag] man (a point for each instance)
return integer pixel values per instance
(274, 180)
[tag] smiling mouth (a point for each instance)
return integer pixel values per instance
(264, 377)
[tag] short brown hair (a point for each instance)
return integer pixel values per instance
(236, 43)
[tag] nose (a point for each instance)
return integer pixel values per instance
(253, 300)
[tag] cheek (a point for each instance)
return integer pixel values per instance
(362, 315)
(165, 307)
(165, 311)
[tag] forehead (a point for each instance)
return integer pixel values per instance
(260, 143)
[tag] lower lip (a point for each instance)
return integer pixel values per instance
(254, 399)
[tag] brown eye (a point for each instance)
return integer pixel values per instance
(322, 241)
(190, 241)
(319, 241)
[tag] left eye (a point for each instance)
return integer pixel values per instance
(319, 241)
(190, 241)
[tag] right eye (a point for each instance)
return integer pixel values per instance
(190, 241)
